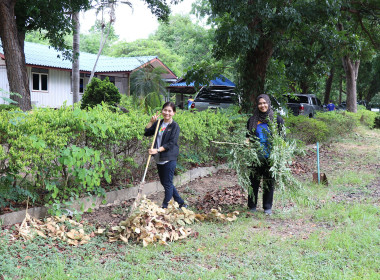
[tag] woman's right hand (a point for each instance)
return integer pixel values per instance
(154, 117)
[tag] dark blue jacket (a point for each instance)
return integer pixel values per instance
(169, 140)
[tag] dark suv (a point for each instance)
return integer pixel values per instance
(304, 104)
(214, 97)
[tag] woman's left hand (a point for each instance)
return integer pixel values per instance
(152, 151)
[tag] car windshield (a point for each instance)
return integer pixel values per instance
(221, 95)
(297, 99)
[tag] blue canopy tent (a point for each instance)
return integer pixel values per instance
(180, 87)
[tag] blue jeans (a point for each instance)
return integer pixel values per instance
(166, 174)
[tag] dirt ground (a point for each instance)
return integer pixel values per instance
(222, 190)
(193, 192)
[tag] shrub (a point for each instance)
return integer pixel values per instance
(99, 91)
(375, 101)
(306, 129)
(328, 125)
(57, 155)
(337, 123)
(8, 107)
(377, 121)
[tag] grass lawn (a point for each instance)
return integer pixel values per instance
(320, 232)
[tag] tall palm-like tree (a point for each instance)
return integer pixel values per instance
(148, 87)
(75, 68)
(147, 80)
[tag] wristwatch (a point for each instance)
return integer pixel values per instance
(158, 150)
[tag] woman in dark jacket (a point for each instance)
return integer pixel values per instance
(258, 128)
(165, 151)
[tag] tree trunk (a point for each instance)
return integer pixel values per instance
(14, 55)
(351, 68)
(329, 82)
(254, 71)
(304, 86)
(75, 70)
(340, 88)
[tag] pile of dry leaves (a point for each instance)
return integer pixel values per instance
(149, 224)
(229, 196)
(61, 228)
(152, 223)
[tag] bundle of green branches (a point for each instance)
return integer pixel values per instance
(244, 157)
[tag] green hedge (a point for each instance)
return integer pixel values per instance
(56, 155)
(326, 126)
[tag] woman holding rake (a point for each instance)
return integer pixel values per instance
(165, 150)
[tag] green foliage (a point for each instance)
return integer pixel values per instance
(243, 157)
(189, 40)
(67, 152)
(327, 126)
(153, 102)
(99, 91)
(147, 80)
(55, 156)
(7, 99)
(149, 47)
(306, 129)
(375, 101)
(8, 107)
(56, 23)
(198, 129)
(377, 121)
(281, 157)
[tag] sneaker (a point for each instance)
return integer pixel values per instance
(268, 212)
(252, 210)
(183, 205)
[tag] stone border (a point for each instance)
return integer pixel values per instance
(113, 197)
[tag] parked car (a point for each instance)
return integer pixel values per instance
(342, 106)
(214, 97)
(304, 104)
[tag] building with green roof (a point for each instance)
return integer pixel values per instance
(50, 74)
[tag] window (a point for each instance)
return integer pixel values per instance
(40, 79)
(111, 78)
(81, 83)
(314, 100)
(297, 99)
(215, 94)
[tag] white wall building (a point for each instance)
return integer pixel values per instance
(50, 75)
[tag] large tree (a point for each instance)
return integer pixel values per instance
(250, 31)
(16, 18)
(253, 31)
(359, 31)
(187, 39)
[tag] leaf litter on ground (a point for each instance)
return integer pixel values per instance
(61, 228)
(154, 224)
(148, 224)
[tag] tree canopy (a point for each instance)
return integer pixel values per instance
(301, 39)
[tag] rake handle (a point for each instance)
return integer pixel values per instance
(139, 191)
(151, 147)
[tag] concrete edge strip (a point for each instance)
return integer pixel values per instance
(113, 197)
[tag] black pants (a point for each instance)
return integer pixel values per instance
(268, 186)
(166, 174)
